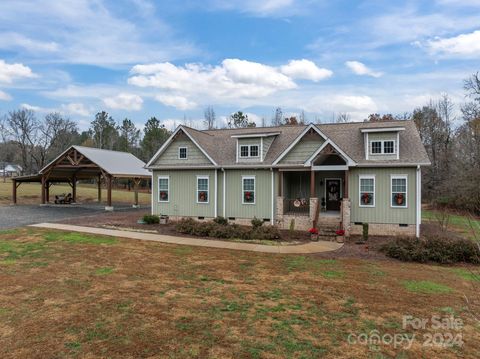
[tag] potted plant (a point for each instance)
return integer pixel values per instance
(340, 235)
(313, 234)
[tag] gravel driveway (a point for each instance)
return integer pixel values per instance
(23, 215)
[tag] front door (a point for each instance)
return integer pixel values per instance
(333, 194)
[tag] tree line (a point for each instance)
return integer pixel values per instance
(32, 142)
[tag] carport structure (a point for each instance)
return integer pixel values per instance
(82, 163)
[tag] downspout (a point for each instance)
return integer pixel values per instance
(216, 195)
(224, 193)
(272, 220)
(418, 201)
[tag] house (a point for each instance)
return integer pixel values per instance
(10, 170)
(325, 175)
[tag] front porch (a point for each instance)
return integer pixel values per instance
(315, 196)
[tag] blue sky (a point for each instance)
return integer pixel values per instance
(171, 59)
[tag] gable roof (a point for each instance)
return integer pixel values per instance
(219, 145)
(115, 163)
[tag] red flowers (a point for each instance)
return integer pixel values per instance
(340, 232)
(313, 231)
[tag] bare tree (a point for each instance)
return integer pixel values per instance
(22, 130)
(277, 118)
(209, 115)
(472, 86)
(343, 117)
(302, 118)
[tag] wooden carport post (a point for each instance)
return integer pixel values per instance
(99, 184)
(74, 189)
(136, 183)
(47, 191)
(109, 191)
(14, 191)
(43, 189)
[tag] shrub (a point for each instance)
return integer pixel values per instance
(221, 220)
(265, 232)
(151, 219)
(185, 225)
(256, 222)
(435, 248)
(292, 225)
(365, 231)
(222, 231)
(203, 229)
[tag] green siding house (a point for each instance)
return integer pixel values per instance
(325, 175)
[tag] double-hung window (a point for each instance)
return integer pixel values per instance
(182, 153)
(202, 189)
(399, 191)
(248, 190)
(388, 147)
(367, 191)
(163, 189)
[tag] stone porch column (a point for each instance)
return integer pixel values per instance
(346, 220)
(279, 208)
(313, 208)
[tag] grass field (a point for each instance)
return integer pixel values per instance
(29, 193)
(467, 227)
(73, 295)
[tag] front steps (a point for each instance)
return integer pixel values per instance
(327, 226)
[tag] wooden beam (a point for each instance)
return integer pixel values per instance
(47, 191)
(136, 183)
(280, 185)
(345, 192)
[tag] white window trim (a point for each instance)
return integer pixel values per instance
(254, 190)
(360, 191)
(168, 188)
(208, 189)
(249, 151)
(392, 177)
(382, 148)
(186, 153)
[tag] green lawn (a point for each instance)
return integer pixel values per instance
(461, 223)
(29, 193)
(70, 295)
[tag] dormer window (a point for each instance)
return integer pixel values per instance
(382, 147)
(182, 153)
(247, 151)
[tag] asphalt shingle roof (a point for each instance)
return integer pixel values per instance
(221, 146)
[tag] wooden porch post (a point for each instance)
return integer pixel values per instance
(280, 185)
(312, 184)
(109, 191)
(74, 189)
(99, 184)
(14, 191)
(43, 189)
(345, 192)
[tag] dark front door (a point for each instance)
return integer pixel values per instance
(333, 194)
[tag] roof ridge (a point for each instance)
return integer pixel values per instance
(102, 149)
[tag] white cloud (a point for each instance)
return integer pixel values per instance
(305, 69)
(11, 72)
(75, 109)
(360, 69)
(258, 8)
(124, 101)
(358, 106)
(90, 32)
(234, 81)
(4, 96)
(178, 102)
(462, 45)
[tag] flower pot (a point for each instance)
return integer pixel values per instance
(340, 239)
(314, 237)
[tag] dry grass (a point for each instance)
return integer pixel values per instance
(29, 193)
(73, 295)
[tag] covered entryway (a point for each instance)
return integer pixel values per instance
(85, 163)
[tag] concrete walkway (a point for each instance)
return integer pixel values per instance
(311, 247)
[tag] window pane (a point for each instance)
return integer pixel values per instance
(243, 151)
(202, 184)
(388, 147)
(367, 191)
(377, 147)
(399, 192)
(253, 151)
(248, 190)
(366, 185)
(183, 153)
(163, 189)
